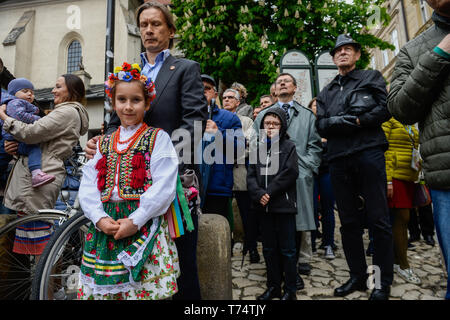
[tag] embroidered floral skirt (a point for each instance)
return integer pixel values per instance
(142, 266)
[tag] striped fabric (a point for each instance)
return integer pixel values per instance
(32, 237)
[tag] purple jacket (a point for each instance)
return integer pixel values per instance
(21, 110)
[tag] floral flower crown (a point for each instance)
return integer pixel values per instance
(128, 72)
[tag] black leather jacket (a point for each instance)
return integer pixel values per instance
(336, 117)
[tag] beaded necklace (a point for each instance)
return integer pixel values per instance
(132, 139)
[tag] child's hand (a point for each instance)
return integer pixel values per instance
(127, 228)
(3, 114)
(108, 225)
(264, 199)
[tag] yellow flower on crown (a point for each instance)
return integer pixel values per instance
(136, 66)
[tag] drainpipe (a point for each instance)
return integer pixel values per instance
(109, 53)
(405, 24)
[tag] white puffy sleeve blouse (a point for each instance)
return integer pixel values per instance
(153, 202)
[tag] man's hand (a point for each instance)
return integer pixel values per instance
(264, 199)
(108, 226)
(211, 126)
(11, 147)
(1, 65)
(91, 147)
(127, 228)
(445, 43)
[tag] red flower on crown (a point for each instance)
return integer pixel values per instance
(126, 66)
(135, 74)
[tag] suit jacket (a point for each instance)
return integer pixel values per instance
(179, 101)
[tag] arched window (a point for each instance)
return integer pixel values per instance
(73, 56)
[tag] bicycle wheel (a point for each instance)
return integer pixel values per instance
(57, 272)
(17, 270)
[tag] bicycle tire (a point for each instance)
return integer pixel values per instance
(56, 275)
(17, 270)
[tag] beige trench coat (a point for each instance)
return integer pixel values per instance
(57, 133)
(239, 170)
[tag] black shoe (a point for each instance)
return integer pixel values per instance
(254, 256)
(411, 245)
(288, 295)
(350, 286)
(304, 268)
(429, 240)
(299, 282)
(414, 239)
(269, 294)
(380, 294)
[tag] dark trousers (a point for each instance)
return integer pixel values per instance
(278, 239)
(188, 283)
(323, 188)
(217, 205)
(421, 221)
(364, 173)
(249, 220)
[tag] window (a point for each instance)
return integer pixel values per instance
(423, 10)
(73, 56)
(385, 58)
(394, 40)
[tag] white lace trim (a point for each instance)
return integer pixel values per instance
(106, 289)
(131, 261)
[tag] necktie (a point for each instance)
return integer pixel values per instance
(286, 109)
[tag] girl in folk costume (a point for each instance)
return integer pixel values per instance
(125, 191)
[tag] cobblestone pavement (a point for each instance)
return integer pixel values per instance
(250, 280)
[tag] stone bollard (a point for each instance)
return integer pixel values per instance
(214, 257)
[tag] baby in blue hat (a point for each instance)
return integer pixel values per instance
(19, 106)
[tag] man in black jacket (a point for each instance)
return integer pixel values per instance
(350, 111)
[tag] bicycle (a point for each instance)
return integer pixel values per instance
(56, 275)
(17, 271)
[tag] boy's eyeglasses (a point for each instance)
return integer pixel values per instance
(272, 124)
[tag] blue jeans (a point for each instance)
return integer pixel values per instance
(33, 151)
(441, 214)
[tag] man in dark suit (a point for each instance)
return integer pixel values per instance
(178, 104)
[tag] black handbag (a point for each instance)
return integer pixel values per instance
(359, 101)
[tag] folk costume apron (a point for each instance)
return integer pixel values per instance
(142, 266)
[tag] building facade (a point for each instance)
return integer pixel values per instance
(41, 40)
(409, 18)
